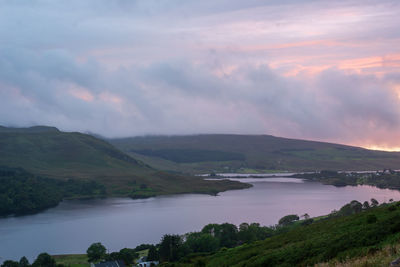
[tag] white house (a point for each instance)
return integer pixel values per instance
(142, 262)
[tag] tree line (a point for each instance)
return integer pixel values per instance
(22, 192)
(382, 179)
(42, 260)
(211, 238)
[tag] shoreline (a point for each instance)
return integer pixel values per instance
(233, 185)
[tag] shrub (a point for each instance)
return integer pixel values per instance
(371, 218)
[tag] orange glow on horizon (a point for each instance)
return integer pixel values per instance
(277, 46)
(382, 148)
(379, 65)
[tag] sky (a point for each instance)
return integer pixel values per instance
(307, 69)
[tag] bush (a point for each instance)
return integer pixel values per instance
(288, 219)
(371, 218)
(392, 208)
(307, 222)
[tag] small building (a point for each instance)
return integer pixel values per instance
(142, 262)
(395, 263)
(117, 263)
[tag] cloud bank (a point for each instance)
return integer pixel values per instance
(301, 69)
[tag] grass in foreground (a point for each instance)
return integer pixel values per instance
(382, 257)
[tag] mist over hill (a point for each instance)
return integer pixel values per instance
(241, 153)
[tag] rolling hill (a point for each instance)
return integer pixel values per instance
(246, 153)
(48, 152)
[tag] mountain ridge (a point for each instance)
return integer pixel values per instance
(32, 129)
(261, 152)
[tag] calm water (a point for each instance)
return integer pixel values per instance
(117, 223)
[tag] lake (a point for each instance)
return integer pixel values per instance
(121, 222)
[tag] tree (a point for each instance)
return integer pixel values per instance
(244, 234)
(199, 242)
(374, 202)
(96, 252)
(228, 235)
(366, 205)
(170, 248)
(250, 233)
(153, 254)
(44, 260)
(345, 210)
(288, 219)
(212, 229)
(113, 256)
(306, 216)
(127, 255)
(143, 247)
(23, 262)
(351, 208)
(334, 213)
(356, 206)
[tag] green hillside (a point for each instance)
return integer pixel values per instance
(243, 153)
(339, 238)
(350, 235)
(48, 152)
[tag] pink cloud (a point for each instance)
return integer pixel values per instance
(81, 93)
(110, 98)
(388, 61)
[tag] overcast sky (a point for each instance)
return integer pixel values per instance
(319, 70)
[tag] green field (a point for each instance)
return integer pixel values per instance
(81, 260)
(72, 260)
(256, 153)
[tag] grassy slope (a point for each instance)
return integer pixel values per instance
(347, 239)
(49, 152)
(60, 154)
(262, 152)
(381, 257)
